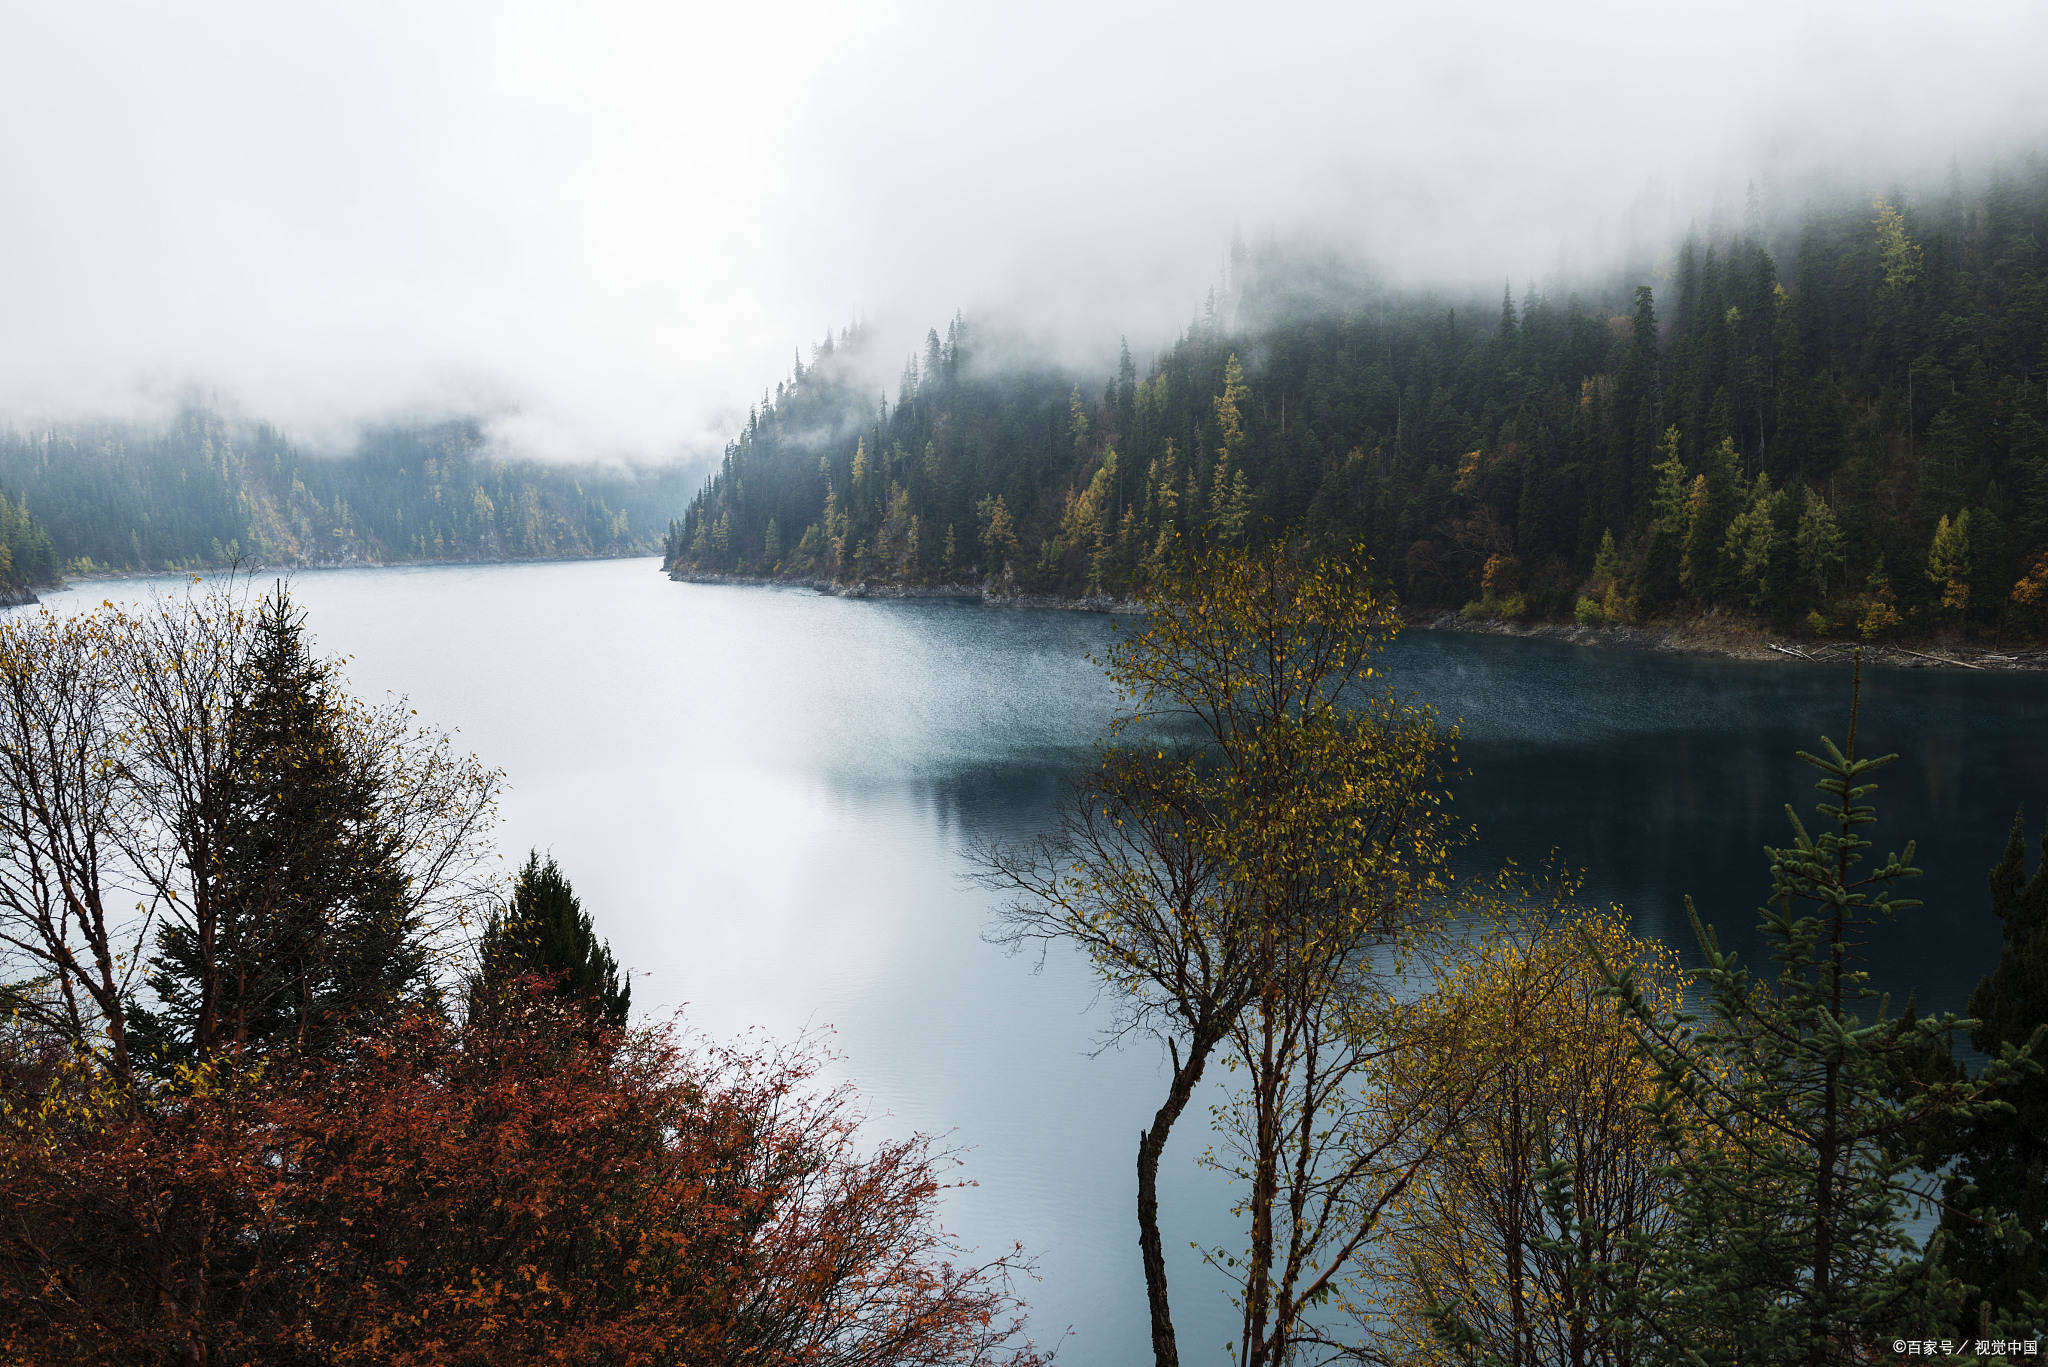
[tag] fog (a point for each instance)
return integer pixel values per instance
(608, 227)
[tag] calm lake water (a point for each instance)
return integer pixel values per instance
(762, 796)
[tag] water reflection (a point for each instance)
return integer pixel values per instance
(1664, 777)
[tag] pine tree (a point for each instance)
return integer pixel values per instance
(998, 533)
(26, 559)
(1670, 519)
(544, 933)
(1896, 250)
(1752, 543)
(1697, 558)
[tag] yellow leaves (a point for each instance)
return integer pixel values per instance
(2032, 588)
(1467, 481)
(1520, 1019)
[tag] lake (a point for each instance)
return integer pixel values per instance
(762, 796)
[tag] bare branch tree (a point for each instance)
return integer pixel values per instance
(73, 917)
(121, 740)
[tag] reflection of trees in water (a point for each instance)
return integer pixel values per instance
(1690, 813)
(1000, 800)
(1005, 797)
(1660, 776)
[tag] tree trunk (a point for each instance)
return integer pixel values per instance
(1151, 1144)
(1258, 1281)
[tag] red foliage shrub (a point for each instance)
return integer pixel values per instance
(504, 1194)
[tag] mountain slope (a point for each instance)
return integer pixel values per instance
(1843, 425)
(205, 491)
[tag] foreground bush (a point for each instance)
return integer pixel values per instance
(504, 1193)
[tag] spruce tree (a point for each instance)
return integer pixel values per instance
(545, 934)
(312, 931)
(1789, 1240)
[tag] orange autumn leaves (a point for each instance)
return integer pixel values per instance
(454, 1194)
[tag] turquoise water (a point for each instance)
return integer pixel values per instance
(762, 795)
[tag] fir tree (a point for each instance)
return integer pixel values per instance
(1948, 562)
(544, 933)
(313, 931)
(1820, 544)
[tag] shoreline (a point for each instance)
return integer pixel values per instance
(115, 576)
(988, 595)
(1732, 638)
(1711, 635)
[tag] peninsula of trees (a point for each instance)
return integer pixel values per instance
(207, 491)
(1837, 425)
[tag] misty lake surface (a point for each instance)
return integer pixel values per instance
(763, 796)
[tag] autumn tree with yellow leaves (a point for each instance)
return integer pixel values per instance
(1552, 1112)
(1263, 821)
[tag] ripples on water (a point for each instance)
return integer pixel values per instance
(762, 796)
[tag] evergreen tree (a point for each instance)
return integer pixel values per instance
(545, 933)
(312, 933)
(1699, 554)
(1949, 562)
(1670, 519)
(26, 558)
(1820, 545)
(1788, 1242)
(1751, 545)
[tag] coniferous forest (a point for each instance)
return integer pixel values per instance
(203, 490)
(26, 557)
(1836, 425)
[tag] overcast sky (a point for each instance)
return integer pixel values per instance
(612, 224)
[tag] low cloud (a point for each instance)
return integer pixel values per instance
(606, 228)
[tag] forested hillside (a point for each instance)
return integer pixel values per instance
(205, 491)
(1838, 424)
